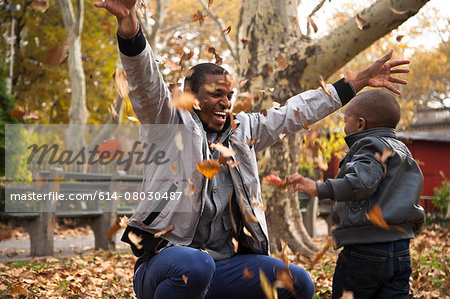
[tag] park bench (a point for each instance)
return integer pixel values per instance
(311, 208)
(98, 214)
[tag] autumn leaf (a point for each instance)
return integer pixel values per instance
(273, 179)
(252, 141)
(324, 86)
(398, 12)
(243, 102)
(184, 100)
(132, 118)
(399, 38)
(282, 64)
(313, 24)
(119, 224)
(305, 124)
(360, 22)
(387, 153)
(18, 291)
(247, 274)
(232, 164)
(166, 232)
(227, 30)
(347, 295)
(190, 188)
(219, 59)
(285, 277)
(170, 64)
(321, 253)
(376, 217)
(135, 239)
(120, 79)
(179, 141)
(269, 290)
(56, 56)
(281, 136)
(185, 278)
(107, 26)
(209, 168)
(235, 244)
(18, 112)
(173, 168)
(244, 41)
(249, 218)
(198, 16)
(40, 5)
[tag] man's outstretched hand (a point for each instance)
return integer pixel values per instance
(125, 13)
(379, 74)
(301, 183)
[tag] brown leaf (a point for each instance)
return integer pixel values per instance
(198, 16)
(247, 274)
(119, 224)
(269, 290)
(244, 41)
(190, 188)
(324, 87)
(243, 102)
(313, 24)
(321, 253)
(173, 168)
(166, 232)
(225, 151)
(186, 57)
(107, 26)
(249, 218)
(263, 112)
(209, 168)
(5, 234)
(170, 64)
(376, 217)
(282, 64)
(360, 22)
(18, 291)
(135, 239)
(184, 100)
(233, 164)
(387, 153)
(120, 79)
(273, 179)
(233, 222)
(285, 277)
(40, 5)
(399, 38)
(185, 278)
(56, 56)
(227, 30)
(252, 141)
(398, 12)
(305, 124)
(18, 112)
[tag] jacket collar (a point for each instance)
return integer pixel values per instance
(374, 132)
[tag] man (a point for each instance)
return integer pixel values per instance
(225, 207)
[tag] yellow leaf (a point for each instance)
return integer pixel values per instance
(209, 168)
(269, 290)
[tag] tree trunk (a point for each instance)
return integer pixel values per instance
(78, 112)
(271, 28)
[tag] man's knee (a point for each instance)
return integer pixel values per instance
(200, 271)
(303, 284)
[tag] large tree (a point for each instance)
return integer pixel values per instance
(270, 26)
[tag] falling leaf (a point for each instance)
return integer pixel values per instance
(273, 179)
(173, 168)
(243, 102)
(282, 64)
(184, 100)
(387, 153)
(399, 38)
(321, 253)
(347, 295)
(263, 112)
(120, 79)
(219, 59)
(166, 232)
(256, 204)
(232, 123)
(249, 218)
(198, 16)
(185, 278)
(269, 290)
(40, 5)
(360, 22)
(170, 64)
(179, 141)
(313, 24)
(5, 234)
(107, 26)
(281, 136)
(305, 124)
(252, 141)
(225, 151)
(190, 188)
(187, 73)
(233, 222)
(285, 277)
(269, 69)
(376, 217)
(247, 274)
(119, 224)
(233, 164)
(244, 41)
(209, 168)
(227, 30)
(18, 112)
(135, 239)
(264, 161)
(235, 244)
(186, 57)
(56, 56)
(132, 118)
(276, 105)
(398, 12)
(324, 86)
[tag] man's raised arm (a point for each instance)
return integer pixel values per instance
(125, 14)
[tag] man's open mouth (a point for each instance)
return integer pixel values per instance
(220, 114)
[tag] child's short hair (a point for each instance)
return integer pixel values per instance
(378, 107)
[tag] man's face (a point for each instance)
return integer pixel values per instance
(352, 123)
(215, 97)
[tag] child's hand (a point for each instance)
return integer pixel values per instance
(306, 185)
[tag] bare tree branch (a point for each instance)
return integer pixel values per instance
(160, 16)
(221, 24)
(316, 9)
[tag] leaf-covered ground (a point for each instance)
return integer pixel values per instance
(109, 274)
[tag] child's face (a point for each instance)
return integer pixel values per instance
(352, 122)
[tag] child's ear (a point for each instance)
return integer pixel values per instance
(362, 124)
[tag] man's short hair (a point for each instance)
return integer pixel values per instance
(198, 72)
(378, 107)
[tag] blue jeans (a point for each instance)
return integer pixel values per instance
(183, 272)
(378, 270)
